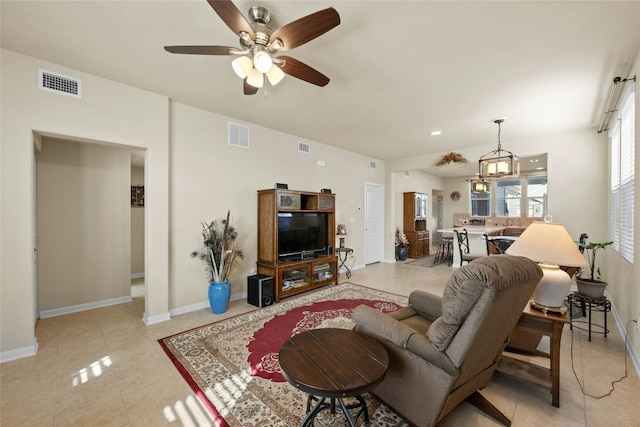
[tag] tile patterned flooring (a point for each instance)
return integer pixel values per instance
(104, 367)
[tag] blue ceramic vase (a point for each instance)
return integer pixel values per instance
(219, 294)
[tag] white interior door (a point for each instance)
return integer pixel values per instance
(373, 223)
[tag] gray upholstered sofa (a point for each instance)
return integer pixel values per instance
(443, 350)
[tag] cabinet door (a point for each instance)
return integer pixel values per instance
(423, 206)
(294, 277)
(288, 200)
(417, 206)
(326, 202)
(323, 271)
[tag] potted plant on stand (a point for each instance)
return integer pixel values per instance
(402, 245)
(591, 285)
(221, 253)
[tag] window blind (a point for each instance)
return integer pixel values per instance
(622, 138)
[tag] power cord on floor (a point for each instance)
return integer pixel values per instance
(613, 383)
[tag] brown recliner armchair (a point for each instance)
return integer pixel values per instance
(442, 350)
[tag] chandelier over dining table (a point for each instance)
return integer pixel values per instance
(499, 163)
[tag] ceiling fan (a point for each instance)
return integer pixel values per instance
(257, 60)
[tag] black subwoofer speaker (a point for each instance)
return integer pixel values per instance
(260, 290)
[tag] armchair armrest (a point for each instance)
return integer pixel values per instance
(426, 305)
(384, 326)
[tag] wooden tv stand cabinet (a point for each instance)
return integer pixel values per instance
(293, 277)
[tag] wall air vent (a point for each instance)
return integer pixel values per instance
(238, 135)
(373, 165)
(303, 147)
(53, 82)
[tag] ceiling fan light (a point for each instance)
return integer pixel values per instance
(242, 66)
(255, 78)
(275, 75)
(262, 61)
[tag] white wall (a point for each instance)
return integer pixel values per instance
(108, 112)
(209, 176)
(83, 224)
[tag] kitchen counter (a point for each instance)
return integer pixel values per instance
(478, 229)
(477, 243)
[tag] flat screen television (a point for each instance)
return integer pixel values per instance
(301, 235)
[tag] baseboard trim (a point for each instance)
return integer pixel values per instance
(137, 276)
(44, 314)
(19, 353)
(623, 332)
(158, 318)
(202, 305)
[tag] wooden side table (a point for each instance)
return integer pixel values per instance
(536, 322)
(333, 364)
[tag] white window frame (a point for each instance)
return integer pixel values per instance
(622, 149)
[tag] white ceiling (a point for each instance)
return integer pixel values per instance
(398, 69)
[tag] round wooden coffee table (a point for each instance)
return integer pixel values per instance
(333, 364)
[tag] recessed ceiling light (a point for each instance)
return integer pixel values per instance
(436, 133)
(534, 160)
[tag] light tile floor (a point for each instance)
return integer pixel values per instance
(104, 367)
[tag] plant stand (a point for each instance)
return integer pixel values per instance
(601, 304)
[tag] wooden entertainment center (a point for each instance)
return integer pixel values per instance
(305, 270)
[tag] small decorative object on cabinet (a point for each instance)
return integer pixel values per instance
(221, 253)
(415, 224)
(296, 240)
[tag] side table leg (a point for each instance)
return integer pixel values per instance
(347, 415)
(606, 309)
(308, 419)
(555, 363)
(590, 321)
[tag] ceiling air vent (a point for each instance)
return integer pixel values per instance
(238, 135)
(373, 165)
(53, 82)
(303, 147)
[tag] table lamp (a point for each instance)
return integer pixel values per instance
(550, 245)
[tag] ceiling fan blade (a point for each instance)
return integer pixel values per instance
(248, 89)
(302, 71)
(231, 16)
(202, 50)
(305, 29)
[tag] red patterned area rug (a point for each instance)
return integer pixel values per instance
(232, 365)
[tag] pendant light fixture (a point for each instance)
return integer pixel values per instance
(499, 163)
(479, 186)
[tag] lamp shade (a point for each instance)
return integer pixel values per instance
(255, 78)
(275, 74)
(548, 243)
(242, 66)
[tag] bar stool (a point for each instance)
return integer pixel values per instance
(444, 251)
